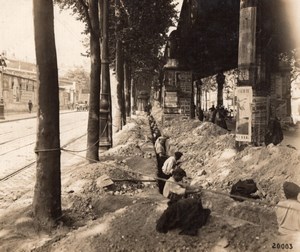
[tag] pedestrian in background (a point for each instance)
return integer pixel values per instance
(30, 106)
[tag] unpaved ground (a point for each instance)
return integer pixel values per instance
(123, 216)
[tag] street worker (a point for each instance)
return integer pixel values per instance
(167, 145)
(171, 163)
(288, 211)
(160, 146)
(184, 213)
(188, 215)
(161, 156)
(175, 191)
(160, 149)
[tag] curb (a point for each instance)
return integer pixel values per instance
(29, 117)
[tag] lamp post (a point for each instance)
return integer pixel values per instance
(2, 65)
(105, 141)
(1, 97)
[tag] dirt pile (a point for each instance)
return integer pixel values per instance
(126, 214)
(130, 141)
(122, 216)
(212, 161)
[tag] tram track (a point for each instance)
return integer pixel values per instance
(31, 143)
(18, 155)
(31, 163)
(31, 134)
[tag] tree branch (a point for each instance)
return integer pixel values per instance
(86, 11)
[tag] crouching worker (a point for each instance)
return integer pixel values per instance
(186, 214)
(288, 211)
(165, 172)
(173, 190)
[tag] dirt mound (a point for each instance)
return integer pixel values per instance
(122, 216)
(213, 163)
(210, 158)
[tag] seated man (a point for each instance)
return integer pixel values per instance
(288, 211)
(170, 164)
(184, 213)
(159, 146)
(173, 190)
(165, 169)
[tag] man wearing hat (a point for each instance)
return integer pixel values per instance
(170, 164)
(184, 213)
(288, 211)
(175, 191)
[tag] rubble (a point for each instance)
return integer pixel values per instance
(122, 215)
(209, 147)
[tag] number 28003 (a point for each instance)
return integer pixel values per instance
(282, 245)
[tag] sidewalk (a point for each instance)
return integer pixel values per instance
(9, 117)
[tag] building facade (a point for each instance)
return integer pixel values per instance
(18, 82)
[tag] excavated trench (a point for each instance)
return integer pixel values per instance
(156, 133)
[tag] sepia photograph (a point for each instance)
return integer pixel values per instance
(149, 125)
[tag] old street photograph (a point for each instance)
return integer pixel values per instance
(149, 125)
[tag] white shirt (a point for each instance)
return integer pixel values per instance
(171, 186)
(169, 165)
(159, 148)
(288, 218)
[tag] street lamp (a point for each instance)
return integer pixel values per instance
(2, 65)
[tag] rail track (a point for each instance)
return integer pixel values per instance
(30, 164)
(18, 160)
(31, 143)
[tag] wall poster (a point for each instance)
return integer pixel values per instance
(243, 118)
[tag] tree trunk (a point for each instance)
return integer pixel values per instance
(205, 100)
(133, 96)
(92, 153)
(220, 81)
(47, 191)
(119, 115)
(127, 87)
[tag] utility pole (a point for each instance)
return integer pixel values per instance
(105, 144)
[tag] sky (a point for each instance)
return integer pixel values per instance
(17, 34)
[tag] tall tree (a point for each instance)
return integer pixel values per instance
(142, 26)
(87, 11)
(93, 122)
(220, 79)
(120, 116)
(47, 192)
(127, 87)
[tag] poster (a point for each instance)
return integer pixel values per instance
(243, 118)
